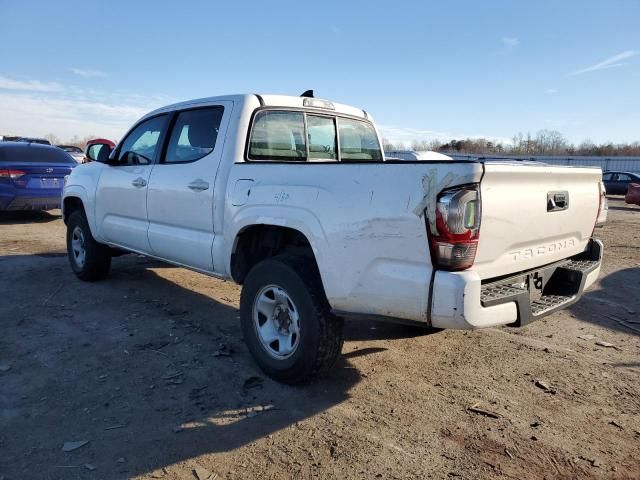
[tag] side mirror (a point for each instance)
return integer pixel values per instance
(98, 152)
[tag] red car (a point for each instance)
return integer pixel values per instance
(633, 194)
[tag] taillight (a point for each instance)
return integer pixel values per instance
(603, 207)
(12, 174)
(454, 238)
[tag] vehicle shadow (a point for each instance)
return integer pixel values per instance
(369, 329)
(609, 307)
(28, 216)
(150, 373)
(626, 208)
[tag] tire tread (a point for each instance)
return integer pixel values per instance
(97, 258)
(330, 326)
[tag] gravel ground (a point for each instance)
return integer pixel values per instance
(146, 375)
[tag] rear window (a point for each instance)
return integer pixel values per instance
(278, 136)
(299, 136)
(322, 138)
(34, 154)
(358, 141)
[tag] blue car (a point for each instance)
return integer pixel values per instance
(32, 175)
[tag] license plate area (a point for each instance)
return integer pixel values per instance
(536, 282)
(50, 182)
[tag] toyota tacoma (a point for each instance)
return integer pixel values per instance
(292, 198)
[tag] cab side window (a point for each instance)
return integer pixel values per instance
(194, 134)
(141, 145)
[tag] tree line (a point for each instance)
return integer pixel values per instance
(544, 142)
(76, 141)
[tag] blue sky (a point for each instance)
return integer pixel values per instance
(424, 69)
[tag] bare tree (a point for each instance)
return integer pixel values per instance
(80, 142)
(387, 145)
(53, 140)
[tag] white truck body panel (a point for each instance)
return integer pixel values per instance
(382, 265)
(121, 207)
(366, 222)
(180, 205)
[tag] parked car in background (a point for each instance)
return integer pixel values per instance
(616, 182)
(633, 194)
(32, 175)
(95, 146)
(42, 141)
(75, 152)
(414, 155)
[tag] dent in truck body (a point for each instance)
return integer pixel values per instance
(372, 251)
(431, 190)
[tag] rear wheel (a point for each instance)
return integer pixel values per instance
(286, 320)
(90, 260)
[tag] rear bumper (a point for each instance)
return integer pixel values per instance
(13, 203)
(462, 300)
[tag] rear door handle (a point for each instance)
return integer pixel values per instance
(198, 185)
(139, 182)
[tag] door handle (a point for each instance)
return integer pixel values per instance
(198, 185)
(139, 182)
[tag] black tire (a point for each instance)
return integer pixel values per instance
(321, 336)
(97, 258)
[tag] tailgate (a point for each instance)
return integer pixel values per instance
(533, 215)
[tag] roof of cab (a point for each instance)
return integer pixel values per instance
(267, 99)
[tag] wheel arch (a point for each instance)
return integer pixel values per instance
(259, 241)
(75, 197)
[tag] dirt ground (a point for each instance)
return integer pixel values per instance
(150, 370)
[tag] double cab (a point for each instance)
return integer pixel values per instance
(292, 198)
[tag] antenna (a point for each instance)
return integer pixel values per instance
(307, 94)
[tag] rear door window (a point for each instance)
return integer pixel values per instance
(278, 136)
(194, 134)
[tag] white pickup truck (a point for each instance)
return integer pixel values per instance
(292, 198)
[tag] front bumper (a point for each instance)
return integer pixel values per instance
(462, 300)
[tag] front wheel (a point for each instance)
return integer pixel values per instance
(286, 320)
(90, 260)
